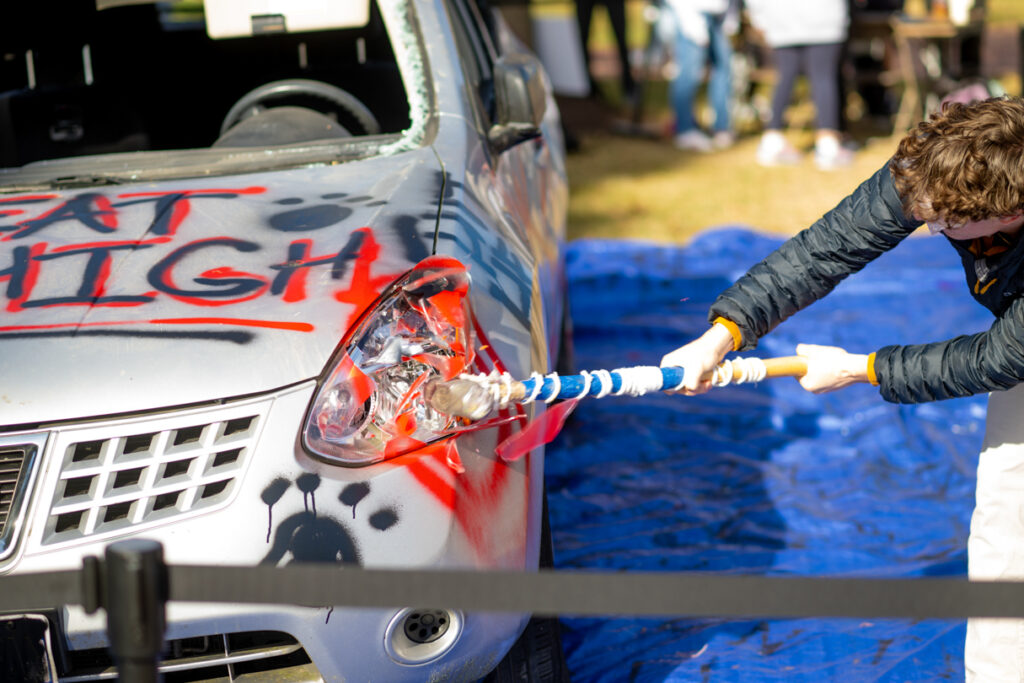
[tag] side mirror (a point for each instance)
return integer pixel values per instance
(521, 100)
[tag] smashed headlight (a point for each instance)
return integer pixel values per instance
(370, 406)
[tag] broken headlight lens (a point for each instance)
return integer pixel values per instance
(370, 406)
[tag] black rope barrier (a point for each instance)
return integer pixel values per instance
(27, 592)
(132, 584)
(562, 592)
(544, 592)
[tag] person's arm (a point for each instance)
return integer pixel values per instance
(867, 223)
(801, 271)
(972, 364)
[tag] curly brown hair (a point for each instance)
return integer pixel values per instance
(966, 163)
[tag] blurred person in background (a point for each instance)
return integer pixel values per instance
(701, 31)
(617, 17)
(805, 36)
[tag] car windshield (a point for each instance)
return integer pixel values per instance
(96, 92)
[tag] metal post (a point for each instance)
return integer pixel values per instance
(135, 591)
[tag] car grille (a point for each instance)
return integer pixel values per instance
(12, 466)
(107, 485)
(17, 467)
(249, 656)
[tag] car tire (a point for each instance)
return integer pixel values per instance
(537, 657)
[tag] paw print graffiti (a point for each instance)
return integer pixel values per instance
(317, 216)
(382, 519)
(308, 536)
(414, 233)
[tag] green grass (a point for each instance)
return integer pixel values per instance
(644, 188)
(622, 187)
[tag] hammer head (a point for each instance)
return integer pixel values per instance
(460, 397)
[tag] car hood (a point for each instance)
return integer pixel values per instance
(141, 297)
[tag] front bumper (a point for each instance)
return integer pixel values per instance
(229, 484)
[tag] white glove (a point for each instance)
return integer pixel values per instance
(699, 358)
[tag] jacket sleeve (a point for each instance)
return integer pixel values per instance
(808, 266)
(971, 364)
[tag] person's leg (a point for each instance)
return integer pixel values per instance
(994, 650)
(821, 63)
(720, 78)
(617, 15)
(774, 149)
(689, 60)
(584, 12)
(787, 68)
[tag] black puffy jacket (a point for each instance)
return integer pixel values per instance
(864, 225)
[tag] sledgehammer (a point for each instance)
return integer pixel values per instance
(476, 396)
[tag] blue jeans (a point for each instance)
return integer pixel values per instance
(690, 59)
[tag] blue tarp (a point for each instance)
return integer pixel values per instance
(763, 479)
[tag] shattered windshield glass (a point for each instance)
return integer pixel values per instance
(145, 91)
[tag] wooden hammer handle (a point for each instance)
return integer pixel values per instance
(784, 366)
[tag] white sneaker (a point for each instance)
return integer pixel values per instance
(829, 154)
(775, 150)
(723, 139)
(693, 141)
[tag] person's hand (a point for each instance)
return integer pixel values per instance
(699, 358)
(830, 368)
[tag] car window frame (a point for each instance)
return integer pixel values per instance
(478, 55)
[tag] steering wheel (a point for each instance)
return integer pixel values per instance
(256, 100)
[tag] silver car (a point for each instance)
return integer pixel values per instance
(235, 240)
